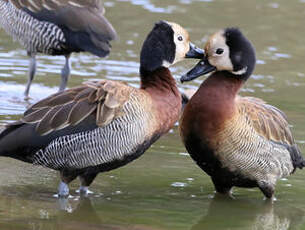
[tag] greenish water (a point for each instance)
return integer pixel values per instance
(164, 189)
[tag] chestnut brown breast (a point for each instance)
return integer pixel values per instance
(166, 98)
(210, 107)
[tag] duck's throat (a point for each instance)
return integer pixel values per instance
(160, 79)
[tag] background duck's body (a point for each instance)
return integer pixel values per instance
(102, 125)
(57, 28)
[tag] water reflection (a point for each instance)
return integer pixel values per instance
(78, 214)
(83, 214)
(223, 213)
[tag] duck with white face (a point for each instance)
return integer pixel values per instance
(238, 141)
(166, 45)
(103, 125)
(227, 50)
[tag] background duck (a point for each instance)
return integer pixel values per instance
(57, 27)
(103, 125)
(238, 141)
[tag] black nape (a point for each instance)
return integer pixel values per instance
(242, 53)
(158, 47)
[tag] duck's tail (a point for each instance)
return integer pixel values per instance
(7, 140)
(297, 158)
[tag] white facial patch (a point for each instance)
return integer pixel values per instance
(220, 61)
(182, 46)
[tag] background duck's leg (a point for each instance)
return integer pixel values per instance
(65, 73)
(32, 71)
(66, 178)
(86, 179)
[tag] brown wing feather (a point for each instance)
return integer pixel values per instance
(61, 118)
(266, 119)
(104, 98)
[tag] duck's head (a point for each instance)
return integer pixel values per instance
(167, 44)
(227, 50)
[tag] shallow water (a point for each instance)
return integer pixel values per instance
(163, 189)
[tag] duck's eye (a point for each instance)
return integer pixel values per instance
(180, 38)
(219, 51)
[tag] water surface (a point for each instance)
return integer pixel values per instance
(163, 189)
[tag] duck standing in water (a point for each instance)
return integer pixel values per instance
(238, 141)
(103, 125)
(57, 27)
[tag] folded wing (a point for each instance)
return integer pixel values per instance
(270, 123)
(103, 99)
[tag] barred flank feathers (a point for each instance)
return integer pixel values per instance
(114, 141)
(58, 27)
(35, 36)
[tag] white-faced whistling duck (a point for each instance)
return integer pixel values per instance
(103, 125)
(57, 27)
(238, 141)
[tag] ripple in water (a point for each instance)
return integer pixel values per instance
(147, 5)
(179, 184)
(191, 1)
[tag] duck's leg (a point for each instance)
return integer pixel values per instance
(86, 179)
(66, 178)
(32, 71)
(222, 188)
(267, 188)
(65, 73)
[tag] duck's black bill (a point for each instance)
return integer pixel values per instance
(202, 67)
(194, 52)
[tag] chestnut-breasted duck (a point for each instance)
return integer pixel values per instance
(238, 141)
(103, 125)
